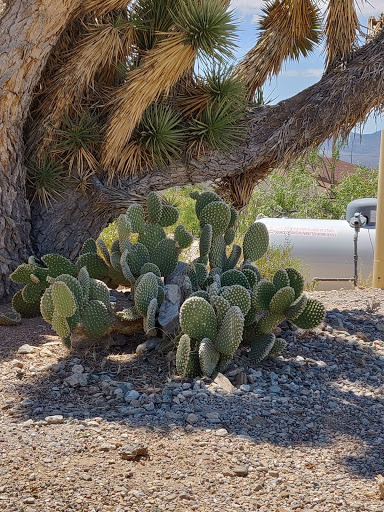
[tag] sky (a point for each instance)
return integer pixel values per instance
(296, 76)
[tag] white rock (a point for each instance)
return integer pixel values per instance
(224, 383)
(131, 395)
(55, 420)
(26, 349)
(77, 368)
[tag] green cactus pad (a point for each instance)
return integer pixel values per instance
(201, 273)
(194, 194)
(231, 332)
(201, 293)
(124, 231)
(282, 299)
(136, 217)
(268, 322)
(229, 236)
(256, 241)
(183, 237)
(297, 307)
(203, 200)
(75, 287)
(249, 266)
(150, 320)
(96, 319)
(146, 289)
(218, 215)
(182, 355)
(251, 277)
(151, 236)
(22, 274)
(74, 321)
(47, 306)
(169, 215)
(233, 257)
(116, 260)
(237, 295)
(234, 217)
(296, 281)
(193, 366)
(99, 291)
(60, 325)
(155, 207)
(10, 319)
(165, 256)
(104, 251)
(95, 265)
(313, 315)
(63, 300)
(150, 267)
(278, 347)
(137, 256)
(261, 347)
(34, 279)
(208, 357)
(281, 279)
(263, 292)
(221, 307)
(217, 253)
(234, 276)
(57, 265)
(129, 314)
(33, 292)
(223, 363)
(89, 246)
(26, 309)
(198, 319)
(85, 282)
(205, 240)
(160, 295)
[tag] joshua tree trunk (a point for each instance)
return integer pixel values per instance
(28, 31)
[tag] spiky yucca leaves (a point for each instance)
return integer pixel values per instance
(47, 180)
(289, 28)
(203, 28)
(341, 30)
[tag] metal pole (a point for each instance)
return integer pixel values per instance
(378, 262)
(355, 255)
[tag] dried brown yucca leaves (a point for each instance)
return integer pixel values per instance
(158, 73)
(289, 28)
(132, 160)
(101, 7)
(341, 30)
(105, 45)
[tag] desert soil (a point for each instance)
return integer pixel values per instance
(98, 431)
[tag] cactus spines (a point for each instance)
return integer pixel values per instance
(268, 322)
(22, 274)
(194, 194)
(201, 293)
(47, 306)
(99, 291)
(221, 307)
(296, 281)
(155, 207)
(208, 357)
(96, 266)
(145, 290)
(193, 366)
(89, 246)
(229, 236)
(234, 217)
(281, 279)
(183, 237)
(231, 331)
(57, 265)
(60, 325)
(150, 267)
(251, 277)
(116, 260)
(182, 355)
(136, 257)
(150, 319)
(237, 295)
(264, 291)
(312, 315)
(151, 236)
(296, 308)
(165, 256)
(124, 231)
(217, 252)
(234, 276)
(282, 299)
(198, 319)
(85, 282)
(63, 300)
(10, 319)
(169, 215)
(223, 362)
(129, 314)
(278, 347)
(198, 274)
(256, 241)
(233, 257)
(104, 251)
(253, 268)
(203, 200)
(26, 309)
(205, 240)
(261, 347)
(32, 292)
(218, 215)
(96, 319)
(74, 285)
(136, 217)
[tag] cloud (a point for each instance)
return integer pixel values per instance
(245, 7)
(303, 73)
(370, 8)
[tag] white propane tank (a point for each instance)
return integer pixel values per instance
(326, 247)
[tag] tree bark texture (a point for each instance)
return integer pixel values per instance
(28, 31)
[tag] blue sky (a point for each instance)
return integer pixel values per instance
(296, 76)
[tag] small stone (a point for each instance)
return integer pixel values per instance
(131, 395)
(192, 418)
(106, 447)
(77, 379)
(77, 368)
(15, 363)
(274, 473)
(26, 349)
(54, 420)
(275, 389)
(86, 477)
(224, 383)
(241, 470)
(29, 501)
(245, 387)
(221, 432)
(133, 451)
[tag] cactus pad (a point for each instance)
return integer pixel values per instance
(255, 242)
(96, 319)
(234, 276)
(151, 236)
(136, 217)
(208, 357)
(281, 279)
(89, 246)
(182, 355)
(165, 256)
(313, 315)
(95, 265)
(264, 291)
(183, 237)
(237, 295)
(282, 299)
(57, 265)
(218, 215)
(198, 319)
(296, 281)
(261, 347)
(169, 215)
(231, 331)
(155, 207)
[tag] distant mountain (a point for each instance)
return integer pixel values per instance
(361, 149)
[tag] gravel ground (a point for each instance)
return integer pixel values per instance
(114, 431)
